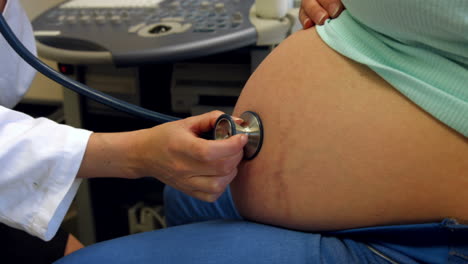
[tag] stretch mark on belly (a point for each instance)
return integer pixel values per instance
(281, 188)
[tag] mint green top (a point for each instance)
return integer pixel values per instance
(419, 46)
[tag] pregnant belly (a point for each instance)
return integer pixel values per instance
(335, 135)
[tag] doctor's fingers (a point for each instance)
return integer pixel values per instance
(206, 197)
(209, 188)
(317, 11)
(213, 150)
(224, 166)
(206, 122)
(205, 188)
(186, 168)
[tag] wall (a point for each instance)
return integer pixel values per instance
(42, 89)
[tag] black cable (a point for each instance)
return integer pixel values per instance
(75, 86)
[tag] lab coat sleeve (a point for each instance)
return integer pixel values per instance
(15, 74)
(39, 159)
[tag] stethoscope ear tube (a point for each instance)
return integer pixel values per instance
(252, 126)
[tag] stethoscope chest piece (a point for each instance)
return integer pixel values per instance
(226, 127)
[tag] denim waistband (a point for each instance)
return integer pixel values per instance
(443, 242)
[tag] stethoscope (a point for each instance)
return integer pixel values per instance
(225, 126)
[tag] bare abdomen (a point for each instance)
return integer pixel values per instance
(342, 148)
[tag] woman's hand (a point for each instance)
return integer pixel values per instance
(315, 12)
(201, 168)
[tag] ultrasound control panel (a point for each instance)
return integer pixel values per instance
(147, 31)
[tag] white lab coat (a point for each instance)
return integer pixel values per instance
(39, 159)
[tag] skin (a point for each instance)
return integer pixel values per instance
(342, 148)
(73, 245)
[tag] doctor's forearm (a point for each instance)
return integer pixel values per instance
(2, 5)
(110, 155)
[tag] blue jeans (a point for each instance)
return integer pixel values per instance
(207, 233)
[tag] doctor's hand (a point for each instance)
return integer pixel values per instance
(315, 12)
(198, 167)
(172, 153)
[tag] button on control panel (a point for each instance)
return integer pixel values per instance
(204, 16)
(150, 27)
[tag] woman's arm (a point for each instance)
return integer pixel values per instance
(343, 148)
